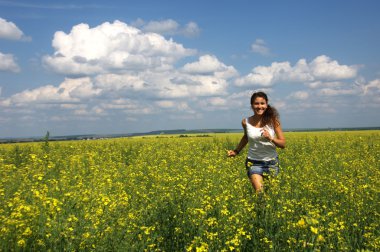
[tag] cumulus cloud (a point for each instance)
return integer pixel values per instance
(8, 63)
(196, 85)
(205, 77)
(168, 27)
(260, 47)
(359, 88)
(69, 91)
(191, 29)
(112, 47)
(8, 30)
(124, 62)
(208, 64)
(128, 92)
(214, 103)
(322, 68)
(372, 87)
(236, 100)
(171, 84)
(117, 82)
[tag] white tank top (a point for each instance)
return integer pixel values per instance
(260, 148)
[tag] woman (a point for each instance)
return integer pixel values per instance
(263, 133)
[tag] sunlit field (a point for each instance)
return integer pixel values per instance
(183, 194)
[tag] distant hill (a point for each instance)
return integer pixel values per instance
(163, 132)
(103, 136)
(184, 131)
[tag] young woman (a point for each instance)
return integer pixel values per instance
(263, 133)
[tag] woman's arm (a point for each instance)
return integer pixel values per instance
(279, 139)
(243, 142)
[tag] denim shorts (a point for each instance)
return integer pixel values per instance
(263, 168)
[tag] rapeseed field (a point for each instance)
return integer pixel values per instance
(184, 194)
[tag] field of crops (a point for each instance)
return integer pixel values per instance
(184, 194)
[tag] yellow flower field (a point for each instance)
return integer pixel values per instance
(183, 194)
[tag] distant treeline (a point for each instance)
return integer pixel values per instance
(180, 132)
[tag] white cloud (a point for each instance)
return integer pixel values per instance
(141, 111)
(175, 106)
(162, 85)
(8, 30)
(217, 101)
(120, 104)
(127, 63)
(209, 64)
(336, 92)
(199, 86)
(168, 27)
(184, 107)
(191, 30)
(214, 103)
(69, 91)
(260, 47)
(264, 76)
(8, 63)
(372, 87)
(322, 84)
(237, 101)
(165, 104)
(112, 47)
(299, 95)
(116, 82)
(170, 84)
(117, 91)
(321, 68)
(73, 106)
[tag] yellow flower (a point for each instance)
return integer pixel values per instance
(41, 243)
(86, 235)
(27, 232)
(320, 238)
(301, 223)
(314, 230)
(21, 243)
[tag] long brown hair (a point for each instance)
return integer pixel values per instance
(271, 115)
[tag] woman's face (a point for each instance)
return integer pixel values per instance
(259, 106)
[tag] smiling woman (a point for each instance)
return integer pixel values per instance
(263, 133)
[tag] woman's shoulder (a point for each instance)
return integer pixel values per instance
(244, 121)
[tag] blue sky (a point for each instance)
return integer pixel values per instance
(103, 67)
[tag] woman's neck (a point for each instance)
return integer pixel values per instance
(257, 117)
(256, 120)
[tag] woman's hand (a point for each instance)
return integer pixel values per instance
(265, 133)
(231, 153)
